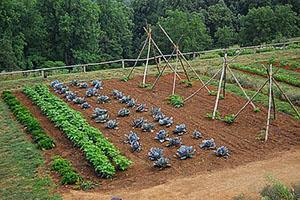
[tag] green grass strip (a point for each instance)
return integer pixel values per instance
(32, 125)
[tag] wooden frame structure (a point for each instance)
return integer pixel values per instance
(180, 58)
(222, 83)
(151, 45)
(271, 101)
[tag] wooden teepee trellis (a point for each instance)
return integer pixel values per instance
(222, 83)
(180, 58)
(151, 46)
(271, 100)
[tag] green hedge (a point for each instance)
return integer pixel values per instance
(32, 125)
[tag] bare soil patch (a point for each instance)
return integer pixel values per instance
(238, 137)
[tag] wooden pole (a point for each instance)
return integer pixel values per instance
(219, 91)
(174, 79)
(286, 97)
(270, 103)
(238, 83)
(225, 72)
(148, 54)
(197, 91)
(184, 69)
(184, 58)
(273, 105)
(136, 61)
(250, 100)
(123, 64)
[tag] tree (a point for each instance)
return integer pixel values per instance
(116, 22)
(189, 27)
(219, 15)
(225, 37)
(263, 24)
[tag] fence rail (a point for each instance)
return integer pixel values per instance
(123, 61)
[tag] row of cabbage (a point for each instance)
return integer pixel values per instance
(102, 154)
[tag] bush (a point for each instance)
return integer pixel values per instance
(50, 64)
(277, 191)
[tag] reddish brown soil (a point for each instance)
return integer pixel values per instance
(238, 137)
(64, 146)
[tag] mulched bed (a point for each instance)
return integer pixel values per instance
(238, 137)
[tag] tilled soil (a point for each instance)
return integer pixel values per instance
(240, 137)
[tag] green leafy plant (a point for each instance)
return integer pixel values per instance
(187, 83)
(146, 85)
(256, 110)
(217, 117)
(229, 119)
(176, 100)
(215, 93)
(125, 79)
(64, 168)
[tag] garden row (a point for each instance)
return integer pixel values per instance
(32, 125)
(102, 154)
(283, 75)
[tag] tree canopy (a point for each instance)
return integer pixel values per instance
(45, 33)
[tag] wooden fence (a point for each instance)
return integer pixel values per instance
(159, 57)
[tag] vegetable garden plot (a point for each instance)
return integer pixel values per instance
(239, 138)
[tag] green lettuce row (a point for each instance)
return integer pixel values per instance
(94, 134)
(99, 161)
(32, 125)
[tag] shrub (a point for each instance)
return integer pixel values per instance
(277, 191)
(176, 100)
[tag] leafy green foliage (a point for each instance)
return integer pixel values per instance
(229, 119)
(217, 117)
(64, 168)
(23, 115)
(187, 83)
(176, 100)
(98, 150)
(277, 191)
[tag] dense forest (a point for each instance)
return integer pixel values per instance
(47, 33)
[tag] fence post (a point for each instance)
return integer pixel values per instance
(159, 60)
(84, 68)
(123, 64)
(43, 73)
(194, 55)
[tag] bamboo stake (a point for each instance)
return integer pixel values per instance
(238, 83)
(270, 103)
(273, 105)
(197, 91)
(286, 97)
(250, 100)
(219, 91)
(174, 79)
(184, 69)
(225, 72)
(147, 61)
(184, 58)
(136, 61)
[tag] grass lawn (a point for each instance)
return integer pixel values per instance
(20, 163)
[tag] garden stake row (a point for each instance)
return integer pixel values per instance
(271, 82)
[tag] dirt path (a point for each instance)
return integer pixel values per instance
(221, 184)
